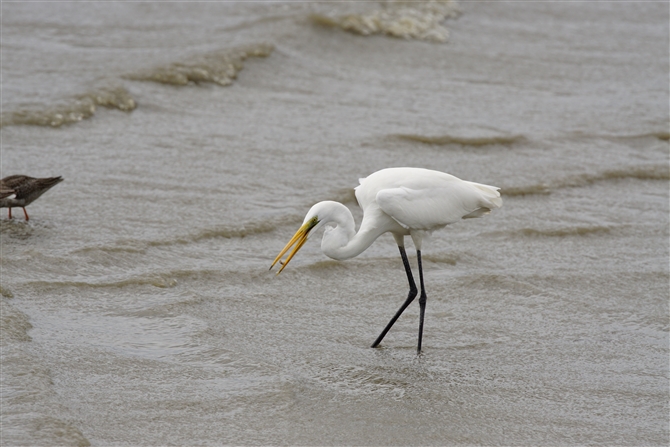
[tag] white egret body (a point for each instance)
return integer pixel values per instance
(403, 201)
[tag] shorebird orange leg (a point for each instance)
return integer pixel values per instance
(25, 213)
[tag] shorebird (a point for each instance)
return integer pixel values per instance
(21, 191)
(5, 192)
(403, 201)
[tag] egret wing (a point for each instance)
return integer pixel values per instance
(432, 208)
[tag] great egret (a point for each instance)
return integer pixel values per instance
(403, 201)
(21, 191)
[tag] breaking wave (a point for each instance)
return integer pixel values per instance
(465, 141)
(218, 67)
(164, 279)
(566, 231)
(648, 172)
(661, 135)
(511, 191)
(403, 19)
(228, 232)
(72, 111)
(161, 281)
(644, 172)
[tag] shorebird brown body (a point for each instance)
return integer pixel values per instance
(4, 193)
(21, 191)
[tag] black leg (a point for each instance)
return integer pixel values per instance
(422, 301)
(410, 297)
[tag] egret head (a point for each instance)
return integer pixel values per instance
(299, 238)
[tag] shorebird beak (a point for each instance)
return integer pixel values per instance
(298, 239)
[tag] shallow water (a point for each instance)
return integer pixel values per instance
(137, 305)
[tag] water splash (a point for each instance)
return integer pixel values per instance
(402, 19)
(72, 111)
(218, 67)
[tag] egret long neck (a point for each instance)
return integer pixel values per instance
(342, 242)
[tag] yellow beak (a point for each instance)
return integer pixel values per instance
(298, 239)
